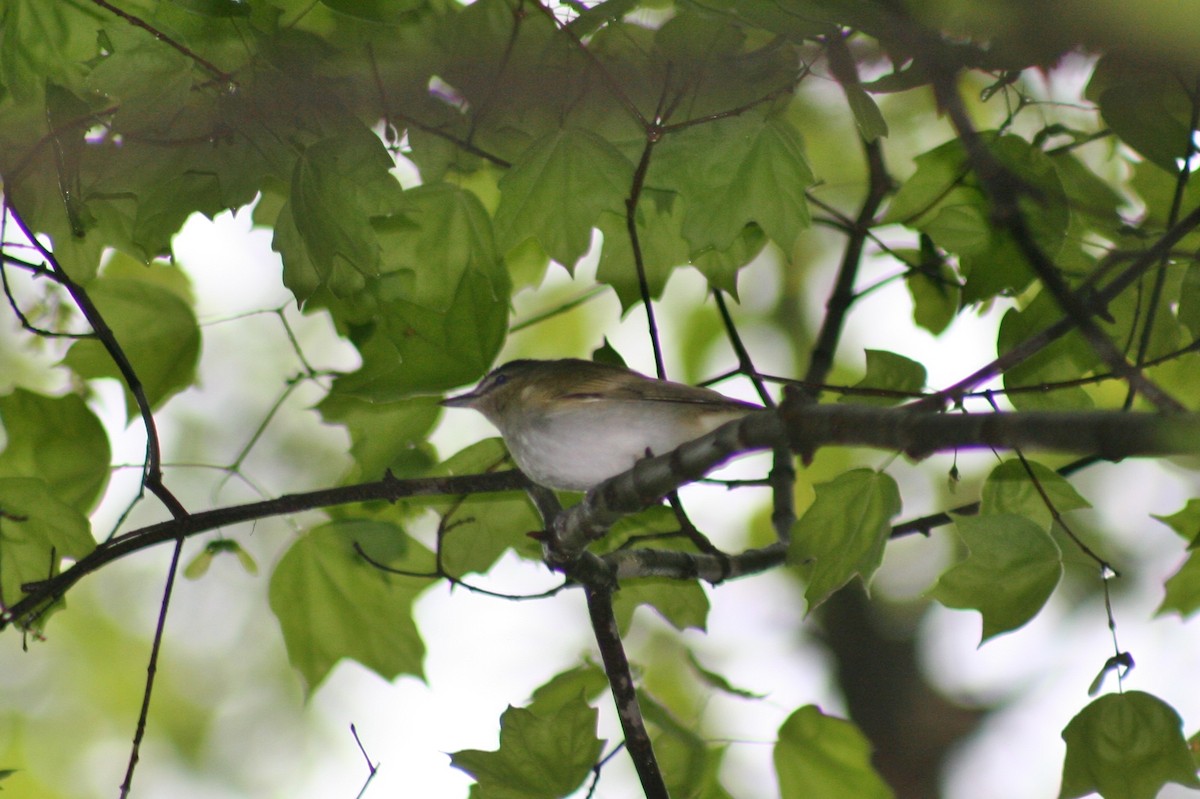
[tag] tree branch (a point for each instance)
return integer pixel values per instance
(40, 594)
(879, 183)
(620, 680)
(1113, 435)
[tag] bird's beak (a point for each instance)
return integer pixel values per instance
(461, 401)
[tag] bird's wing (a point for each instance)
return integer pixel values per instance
(634, 387)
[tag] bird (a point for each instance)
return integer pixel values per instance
(570, 424)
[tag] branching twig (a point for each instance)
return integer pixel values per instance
(372, 768)
(1160, 277)
(220, 74)
(879, 183)
(152, 476)
(1044, 338)
(1002, 190)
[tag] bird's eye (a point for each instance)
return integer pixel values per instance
(499, 380)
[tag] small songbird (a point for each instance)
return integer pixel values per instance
(571, 424)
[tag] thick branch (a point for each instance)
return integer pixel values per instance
(1112, 435)
(713, 569)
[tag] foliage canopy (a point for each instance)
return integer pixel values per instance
(423, 166)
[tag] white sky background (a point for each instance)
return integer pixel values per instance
(1041, 672)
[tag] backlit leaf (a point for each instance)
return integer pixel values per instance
(1185, 522)
(734, 171)
(1183, 589)
(157, 331)
(332, 604)
(1125, 746)
(1010, 489)
(843, 533)
(545, 752)
(557, 190)
(37, 530)
(1012, 569)
(888, 372)
(682, 603)
(820, 755)
(59, 440)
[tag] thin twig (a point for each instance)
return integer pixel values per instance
(1160, 277)
(372, 768)
(152, 476)
(220, 74)
(152, 669)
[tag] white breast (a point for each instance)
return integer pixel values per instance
(588, 442)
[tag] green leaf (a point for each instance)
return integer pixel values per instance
(445, 233)
(683, 603)
(844, 531)
(200, 564)
(938, 171)
(479, 528)
(1009, 489)
(54, 41)
(37, 530)
(943, 200)
(59, 440)
(1189, 299)
(420, 351)
(384, 11)
(155, 328)
(1125, 746)
(1065, 359)
(1183, 589)
(333, 604)
(1012, 569)
(556, 191)
(870, 121)
(689, 764)
(734, 171)
(721, 267)
(660, 240)
(543, 754)
(718, 682)
(888, 371)
(587, 680)
(384, 435)
(166, 276)
(936, 296)
(962, 228)
(1148, 107)
(1185, 522)
(221, 9)
(822, 756)
(146, 82)
(341, 189)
